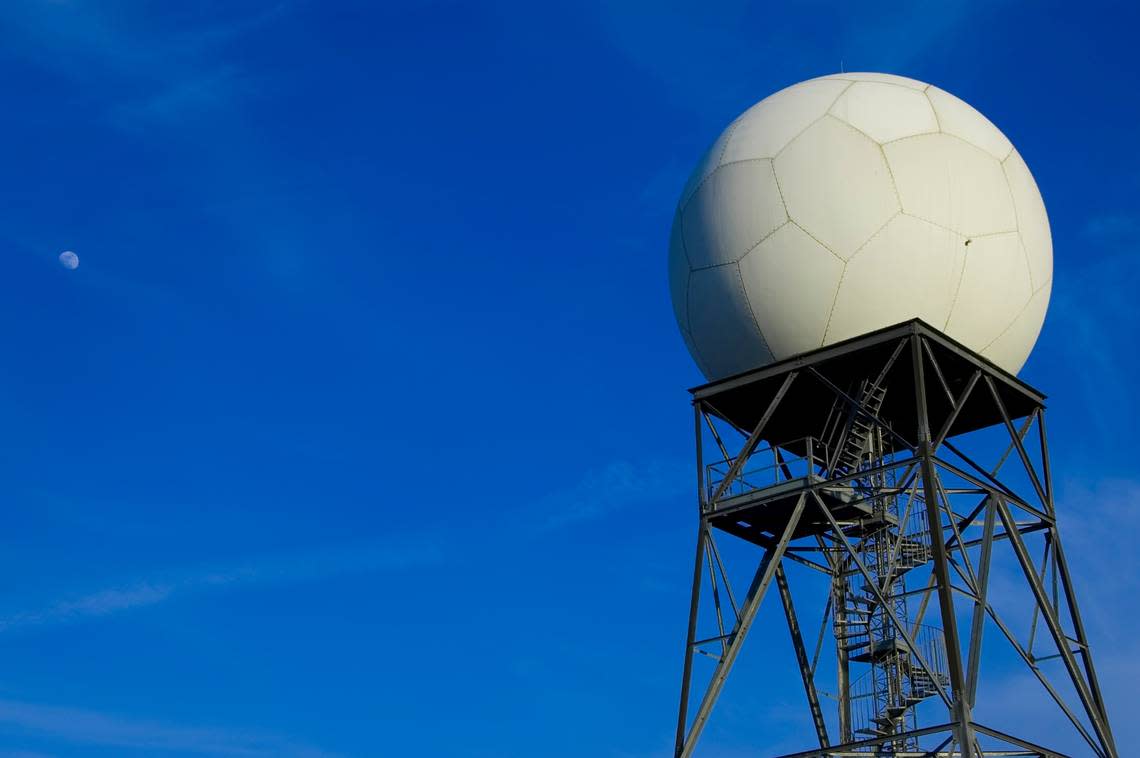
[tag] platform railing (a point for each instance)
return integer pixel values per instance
(768, 466)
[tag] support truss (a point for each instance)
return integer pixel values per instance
(858, 466)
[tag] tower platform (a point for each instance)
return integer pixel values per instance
(740, 400)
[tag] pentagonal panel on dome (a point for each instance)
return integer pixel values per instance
(994, 288)
(885, 112)
(721, 323)
(791, 280)
(908, 270)
(1011, 349)
(947, 181)
(1032, 220)
(737, 206)
(869, 76)
(960, 119)
(836, 185)
(678, 273)
(768, 126)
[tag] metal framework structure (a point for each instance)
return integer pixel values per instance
(861, 464)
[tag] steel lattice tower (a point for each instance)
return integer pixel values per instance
(901, 470)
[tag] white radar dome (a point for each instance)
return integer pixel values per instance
(852, 202)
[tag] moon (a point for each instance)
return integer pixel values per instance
(69, 260)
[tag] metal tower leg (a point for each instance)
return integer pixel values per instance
(960, 707)
(736, 637)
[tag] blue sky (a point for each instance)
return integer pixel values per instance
(361, 428)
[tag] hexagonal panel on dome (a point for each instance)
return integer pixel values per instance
(908, 270)
(768, 126)
(993, 289)
(736, 207)
(791, 280)
(1032, 220)
(721, 322)
(960, 119)
(947, 181)
(1011, 349)
(885, 112)
(836, 185)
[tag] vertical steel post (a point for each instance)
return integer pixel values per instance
(843, 659)
(1083, 644)
(1070, 598)
(980, 604)
(695, 600)
(961, 709)
(1053, 624)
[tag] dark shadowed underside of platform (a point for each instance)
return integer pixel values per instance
(742, 399)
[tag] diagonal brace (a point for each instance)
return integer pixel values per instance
(760, 583)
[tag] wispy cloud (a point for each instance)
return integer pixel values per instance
(600, 492)
(1098, 522)
(137, 69)
(196, 92)
(1113, 228)
(898, 38)
(616, 486)
(1095, 322)
(712, 58)
(285, 568)
(94, 728)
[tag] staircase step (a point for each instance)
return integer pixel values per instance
(890, 715)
